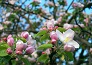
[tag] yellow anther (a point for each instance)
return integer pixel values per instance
(66, 40)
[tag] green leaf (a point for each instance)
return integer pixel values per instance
(44, 37)
(69, 55)
(3, 48)
(14, 62)
(42, 32)
(3, 52)
(61, 29)
(44, 46)
(23, 39)
(43, 58)
(26, 61)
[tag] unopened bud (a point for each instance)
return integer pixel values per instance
(25, 35)
(69, 48)
(18, 52)
(9, 51)
(30, 50)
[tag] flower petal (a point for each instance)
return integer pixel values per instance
(69, 33)
(60, 35)
(74, 43)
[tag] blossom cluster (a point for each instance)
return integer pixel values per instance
(27, 47)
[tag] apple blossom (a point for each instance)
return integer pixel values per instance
(29, 39)
(67, 26)
(30, 49)
(50, 25)
(19, 52)
(10, 40)
(53, 36)
(9, 51)
(20, 46)
(69, 47)
(25, 34)
(67, 37)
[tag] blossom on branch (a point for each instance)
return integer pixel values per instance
(67, 37)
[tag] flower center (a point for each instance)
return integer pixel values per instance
(67, 39)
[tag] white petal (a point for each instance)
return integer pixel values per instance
(74, 43)
(60, 35)
(69, 33)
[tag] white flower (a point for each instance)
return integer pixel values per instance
(67, 37)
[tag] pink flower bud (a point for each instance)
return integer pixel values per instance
(20, 46)
(69, 48)
(53, 41)
(67, 26)
(10, 41)
(19, 52)
(30, 50)
(10, 36)
(53, 37)
(9, 51)
(25, 35)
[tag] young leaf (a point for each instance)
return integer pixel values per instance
(42, 32)
(3, 48)
(61, 29)
(44, 46)
(3, 52)
(44, 37)
(43, 58)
